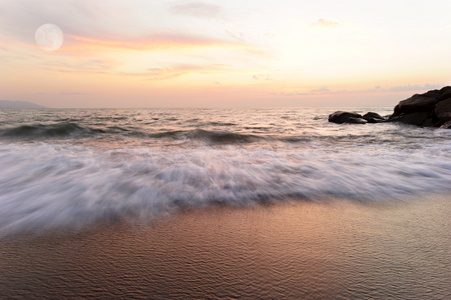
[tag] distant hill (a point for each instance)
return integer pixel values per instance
(18, 104)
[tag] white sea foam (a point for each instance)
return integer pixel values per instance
(50, 186)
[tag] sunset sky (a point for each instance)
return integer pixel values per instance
(140, 53)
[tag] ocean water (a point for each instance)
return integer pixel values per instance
(221, 204)
(73, 168)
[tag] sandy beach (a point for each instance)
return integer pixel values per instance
(333, 250)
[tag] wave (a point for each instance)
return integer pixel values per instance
(60, 186)
(146, 135)
(68, 129)
(221, 124)
(59, 130)
(64, 130)
(221, 137)
(200, 135)
(209, 137)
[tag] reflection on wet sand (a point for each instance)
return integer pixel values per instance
(299, 250)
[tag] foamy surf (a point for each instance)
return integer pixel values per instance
(45, 186)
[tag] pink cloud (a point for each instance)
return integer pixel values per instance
(153, 41)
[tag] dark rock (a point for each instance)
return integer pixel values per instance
(373, 120)
(416, 118)
(429, 122)
(432, 94)
(430, 109)
(416, 103)
(372, 117)
(396, 111)
(443, 110)
(447, 125)
(341, 117)
(445, 93)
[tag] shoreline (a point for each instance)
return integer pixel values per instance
(337, 249)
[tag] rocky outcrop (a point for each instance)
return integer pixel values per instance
(372, 117)
(341, 117)
(414, 118)
(443, 110)
(416, 103)
(431, 109)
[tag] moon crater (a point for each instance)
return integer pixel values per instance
(49, 37)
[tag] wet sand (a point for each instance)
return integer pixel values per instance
(296, 250)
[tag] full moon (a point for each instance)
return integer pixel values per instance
(49, 37)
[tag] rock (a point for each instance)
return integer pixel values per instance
(432, 94)
(341, 117)
(416, 118)
(429, 122)
(373, 120)
(416, 103)
(372, 117)
(443, 110)
(447, 125)
(430, 109)
(445, 93)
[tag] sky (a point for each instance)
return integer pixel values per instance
(142, 53)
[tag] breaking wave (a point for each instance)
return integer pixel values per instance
(46, 186)
(74, 130)
(59, 130)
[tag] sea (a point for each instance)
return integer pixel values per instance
(69, 170)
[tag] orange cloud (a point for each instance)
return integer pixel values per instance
(107, 67)
(180, 70)
(155, 56)
(156, 41)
